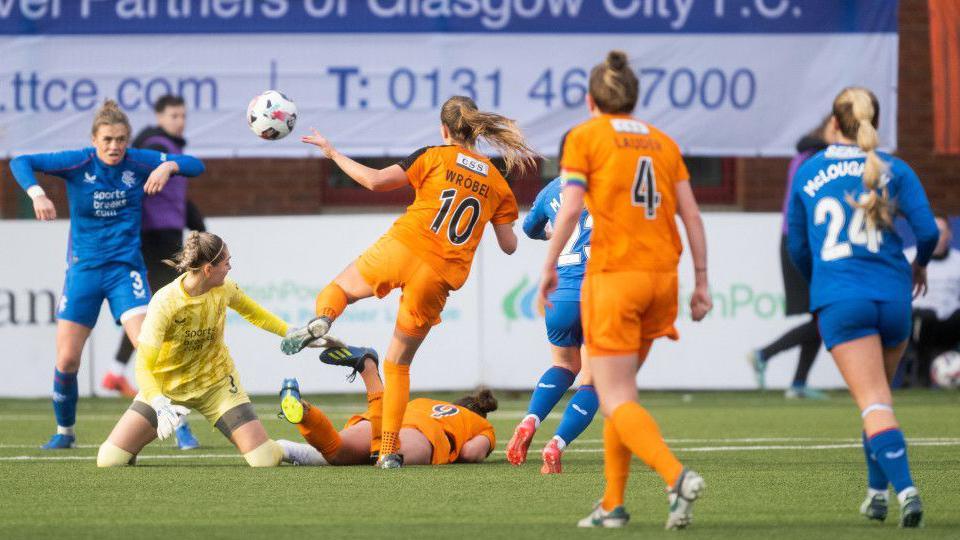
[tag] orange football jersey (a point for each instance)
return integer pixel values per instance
(457, 193)
(629, 170)
(458, 424)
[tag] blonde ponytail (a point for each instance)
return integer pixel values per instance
(200, 248)
(467, 124)
(109, 114)
(857, 113)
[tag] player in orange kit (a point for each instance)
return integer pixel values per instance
(428, 251)
(635, 183)
(433, 432)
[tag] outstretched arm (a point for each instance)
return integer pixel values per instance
(390, 178)
(23, 168)
(256, 314)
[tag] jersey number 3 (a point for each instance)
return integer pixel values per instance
(457, 232)
(644, 192)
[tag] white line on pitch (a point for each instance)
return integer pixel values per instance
(911, 440)
(572, 450)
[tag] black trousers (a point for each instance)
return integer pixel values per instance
(155, 246)
(931, 336)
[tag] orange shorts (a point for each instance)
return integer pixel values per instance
(620, 310)
(389, 264)
(430, 428)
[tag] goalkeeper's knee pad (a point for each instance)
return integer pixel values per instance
(111, 455)
(268, 454)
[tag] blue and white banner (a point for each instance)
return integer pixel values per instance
(723, 77)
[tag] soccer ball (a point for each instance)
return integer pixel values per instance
(945, 370)
(271, 115)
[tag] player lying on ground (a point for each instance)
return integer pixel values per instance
(429, 250)
(432, 432)
(183, 363)
(106, 185)
(565, 334)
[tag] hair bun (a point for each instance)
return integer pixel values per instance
(617, 60)
(485, 400)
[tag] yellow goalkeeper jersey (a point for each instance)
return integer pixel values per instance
(181, 352)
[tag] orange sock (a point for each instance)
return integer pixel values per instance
(639, 432)
(317, 429)
(616, 467)
(395, 398)
(375, 414)
(331, 301)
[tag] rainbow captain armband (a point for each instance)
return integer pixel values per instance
(573, 178)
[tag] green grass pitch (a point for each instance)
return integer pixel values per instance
(774, 469)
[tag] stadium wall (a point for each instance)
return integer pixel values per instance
(491, 333)
(234, 187)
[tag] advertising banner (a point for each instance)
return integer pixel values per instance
(371, 75)
(491, 332)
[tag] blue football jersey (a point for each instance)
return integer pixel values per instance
(105, 201)
(572, 262)
(829, 239)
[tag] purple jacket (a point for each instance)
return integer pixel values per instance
(167, 209)
(806, 147)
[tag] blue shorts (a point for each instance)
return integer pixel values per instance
(848, 320)
(563, 324)
(85, 289)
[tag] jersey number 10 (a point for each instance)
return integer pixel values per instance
(456, 233)
(859, 232)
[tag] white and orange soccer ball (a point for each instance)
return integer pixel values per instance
(272, 115)
(945, 370)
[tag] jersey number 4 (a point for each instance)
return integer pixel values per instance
(644, 192)
(457, 233)
(859, 233)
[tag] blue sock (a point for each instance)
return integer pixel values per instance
(875, 477)
(890, 449)
(551, 387)
(65, 396)
(578, 415)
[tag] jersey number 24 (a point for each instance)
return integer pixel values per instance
(859, 232)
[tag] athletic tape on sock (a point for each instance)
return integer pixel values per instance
(875, 407)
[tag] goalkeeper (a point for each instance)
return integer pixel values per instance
(183, 363)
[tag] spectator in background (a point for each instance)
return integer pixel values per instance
(936, 316)
(165, 216)
(806, 336)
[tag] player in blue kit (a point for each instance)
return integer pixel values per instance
(841, 238)
(565, 335)
(105, 187)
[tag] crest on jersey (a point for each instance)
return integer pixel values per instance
(89, 178)
(128, 178)
(473, 165)
(444, 409)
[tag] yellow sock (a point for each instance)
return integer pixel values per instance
(639, 432)
(616, 467)
(318, 430)
(395, 398)
(331, 301)
(375, 414)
